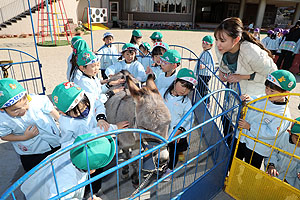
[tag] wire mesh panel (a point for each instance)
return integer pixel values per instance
(276, 176)
(23, 67)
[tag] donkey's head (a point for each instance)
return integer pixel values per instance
(151, 112)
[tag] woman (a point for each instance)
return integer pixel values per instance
(243, 58)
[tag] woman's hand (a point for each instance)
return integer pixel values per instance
(233, 78)
(222, 76)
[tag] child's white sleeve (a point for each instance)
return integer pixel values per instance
(46, 104)
(274, 158)
(4, 128)
(141, 76)
(190, 118)
(269, 128)
(111, 70)
(99, 107)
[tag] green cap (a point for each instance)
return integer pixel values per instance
(128, 46)
(100, 152)
(67, 95)
(11, 91)
(296, 127)
(137, 33)
(146, 45)
(283, 79)
(171, 56)
(86, 57)
(156, 35)
(161, 44)
(187, 75)
(79, 45)
(208, 39)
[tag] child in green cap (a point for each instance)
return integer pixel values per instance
(78, 45)
(205, 66)
(158, 50)
(280, 81)
(129, 63)
(145, 59)
(136, 38)
(81, 114)
(108, 53)
(156, 37)
(169, 62)
(279, 165)
(86, 77)
(176, 99)
(27, 122)
(70, 169)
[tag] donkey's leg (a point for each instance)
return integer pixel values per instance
(125, 169)
(135, 165)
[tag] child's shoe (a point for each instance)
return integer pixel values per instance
(168, 171)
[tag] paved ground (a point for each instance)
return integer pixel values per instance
(54, 64)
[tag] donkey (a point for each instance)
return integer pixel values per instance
(144, 109)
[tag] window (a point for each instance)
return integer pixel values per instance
(233, 10)
(165, 6)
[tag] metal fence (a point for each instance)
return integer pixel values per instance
(15, 8)
(23, 67)
(205, 161)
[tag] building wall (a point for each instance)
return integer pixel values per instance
(159, 17)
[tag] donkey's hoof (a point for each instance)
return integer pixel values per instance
(125, 174)
(135, 180)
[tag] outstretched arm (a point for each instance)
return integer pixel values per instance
(29, 133)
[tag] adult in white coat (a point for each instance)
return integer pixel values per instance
(243, 58)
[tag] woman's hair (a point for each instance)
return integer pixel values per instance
(274, 87)
(233, 27)
(74, 67)
(121, 57)
(76, 109)
(184, 83)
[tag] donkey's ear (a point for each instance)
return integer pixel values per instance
(151, 84)
(134, 90)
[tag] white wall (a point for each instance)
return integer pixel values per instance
(24, 26)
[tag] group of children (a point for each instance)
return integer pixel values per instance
(273, 39)
(28, 121)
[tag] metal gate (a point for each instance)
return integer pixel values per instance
(23, 67)
(245, 180)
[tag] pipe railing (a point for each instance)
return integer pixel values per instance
(14, 9)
